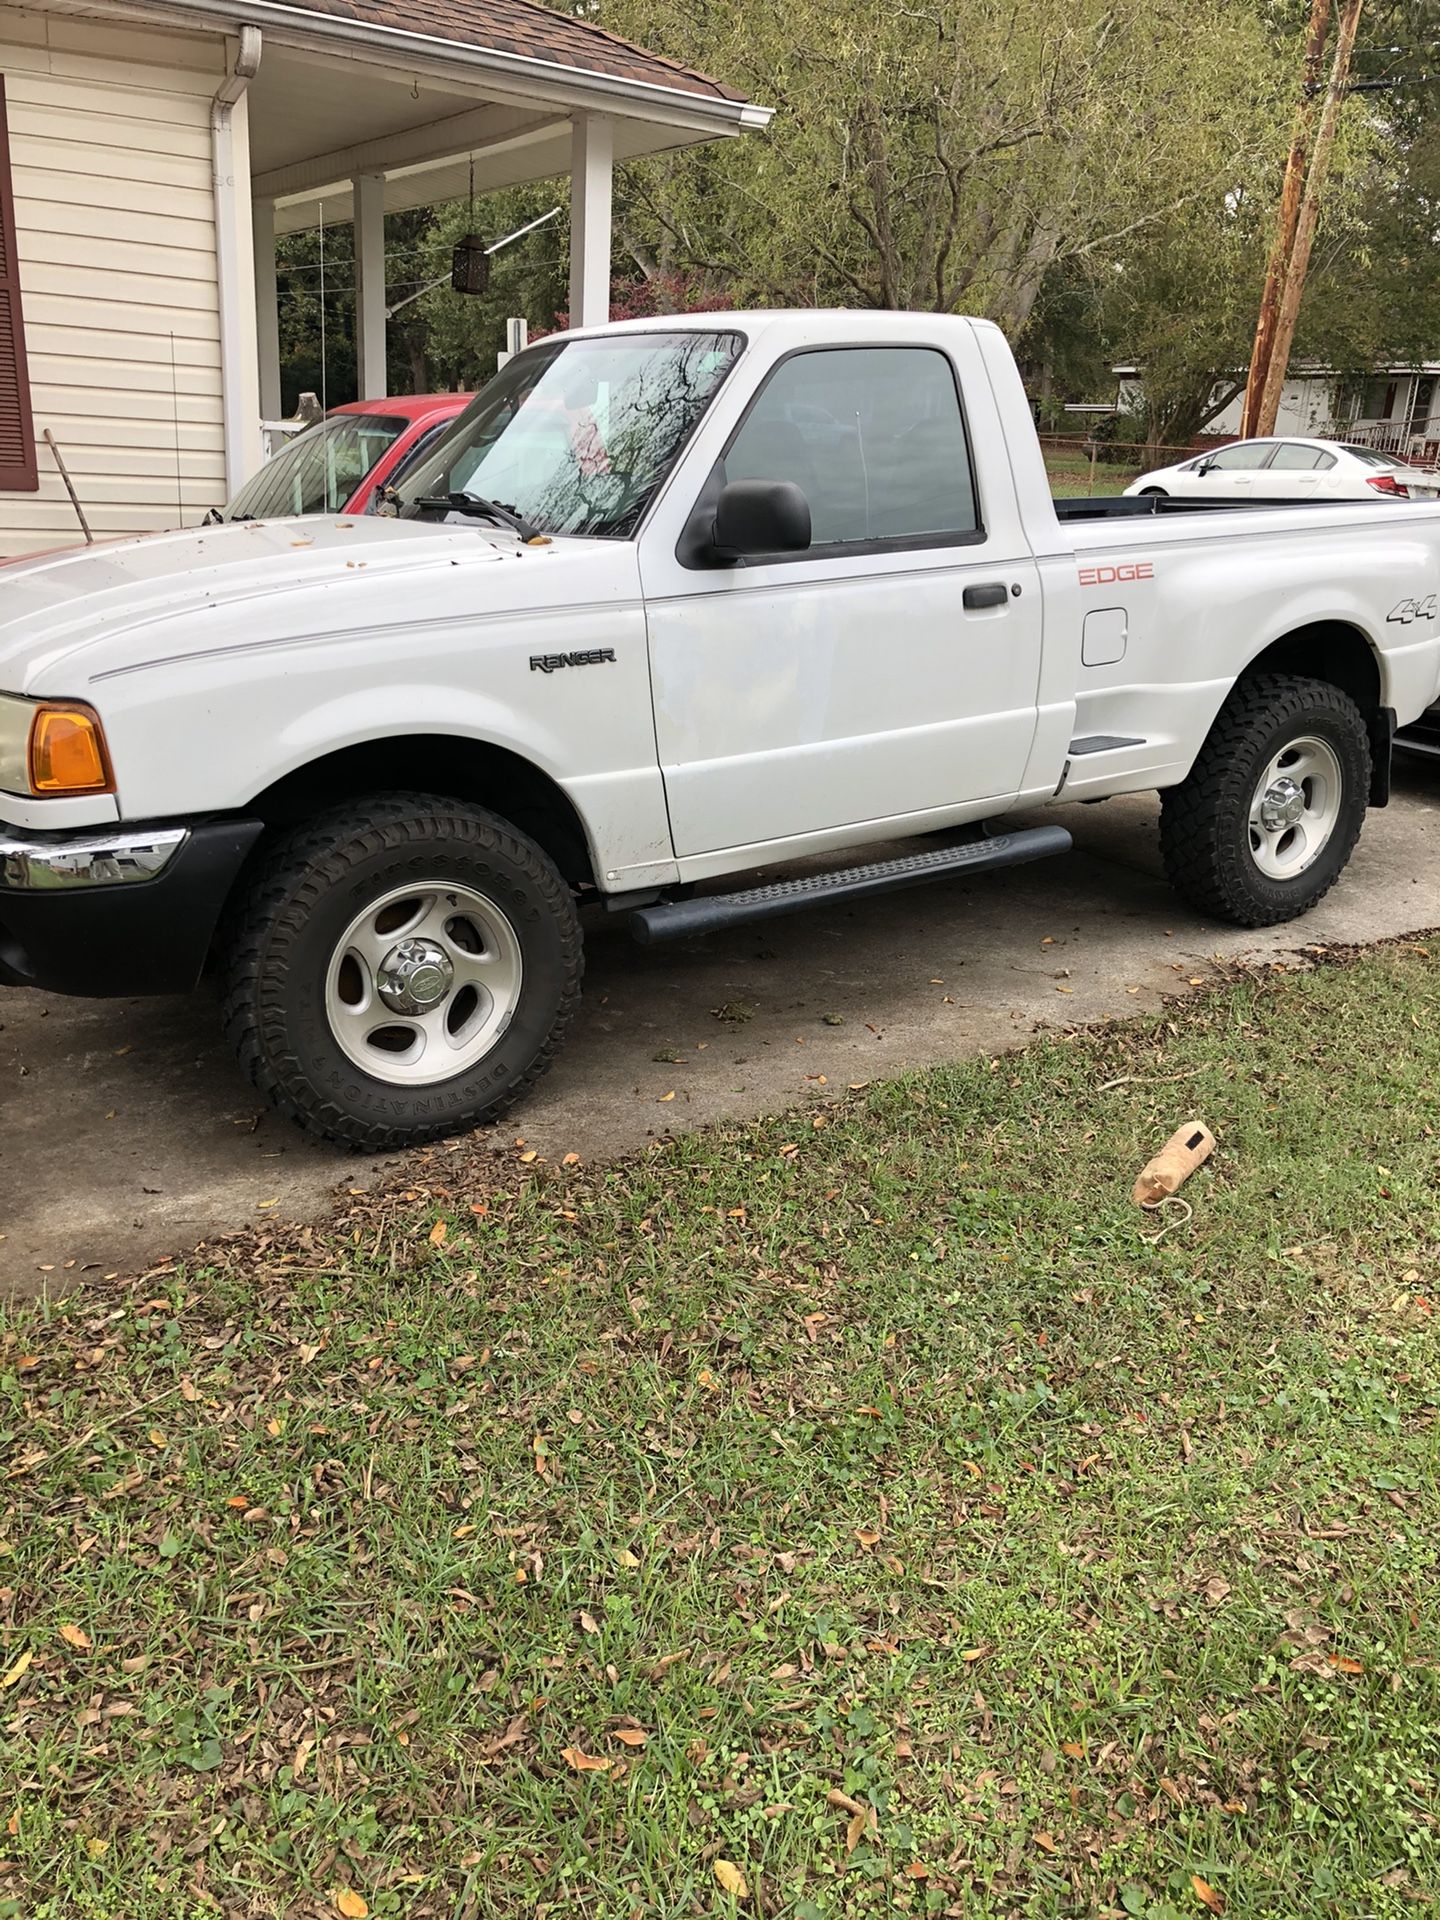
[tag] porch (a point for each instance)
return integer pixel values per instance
(348, 110)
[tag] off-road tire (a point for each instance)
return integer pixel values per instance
(281, 934)
(1204, 822)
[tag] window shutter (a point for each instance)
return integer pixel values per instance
(18, 471)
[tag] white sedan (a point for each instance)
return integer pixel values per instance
(1290, 470)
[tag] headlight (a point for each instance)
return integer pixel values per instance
(52, 748)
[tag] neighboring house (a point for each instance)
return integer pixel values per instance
(150, 150)
(1396, 409)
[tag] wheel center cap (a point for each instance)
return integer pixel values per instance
(414, 976)
(1283, 805)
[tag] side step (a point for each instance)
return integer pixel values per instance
(673, 920)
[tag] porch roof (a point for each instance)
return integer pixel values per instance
(526, 29)
(437, 94)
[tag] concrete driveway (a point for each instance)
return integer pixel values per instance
(127, 1131)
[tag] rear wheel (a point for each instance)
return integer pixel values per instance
(401, 971)
(1268, 817)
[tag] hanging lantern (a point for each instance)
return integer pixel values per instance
(470, 265)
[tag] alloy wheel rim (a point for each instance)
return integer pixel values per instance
(422, 983)
(1295, 807)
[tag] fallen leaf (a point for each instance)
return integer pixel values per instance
(630, 1736)
(1047, 1841)
(526, 1158)
(585, 1762)
(19, 1670)
(157, 1438)
(855, 1830)
(732, 1879)
(625, 1558)
(588, 1623)
(1206, 1894)
(437, 1233)
(667, 1096)
(867, 1537)
(1074, 1749)
(74, 1636)
(838, 1799)
(350, 1903)
(1343, 1665)
(571, 1160)
(974, 1653)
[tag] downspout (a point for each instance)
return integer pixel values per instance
(227, 253)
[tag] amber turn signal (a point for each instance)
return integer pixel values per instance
(67, 751)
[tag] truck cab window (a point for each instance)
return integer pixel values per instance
(874, 439)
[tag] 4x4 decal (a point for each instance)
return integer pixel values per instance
(1409, 611)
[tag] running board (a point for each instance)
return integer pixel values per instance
(673, 920)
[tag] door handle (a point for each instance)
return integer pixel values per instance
(993, 595)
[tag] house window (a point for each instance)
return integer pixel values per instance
(17, 429)
(1378, 400)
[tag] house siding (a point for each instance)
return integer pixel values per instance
(111, 162)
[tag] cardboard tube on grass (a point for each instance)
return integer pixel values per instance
(1187, 1148)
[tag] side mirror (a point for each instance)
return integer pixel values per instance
(760, 516)
(1204, 467)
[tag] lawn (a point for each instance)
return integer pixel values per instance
(1068, 470)
(866, 1512)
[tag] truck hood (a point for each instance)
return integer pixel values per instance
(68, 618)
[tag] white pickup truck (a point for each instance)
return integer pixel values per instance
(671, 601)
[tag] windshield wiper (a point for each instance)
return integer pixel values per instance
(481, 508)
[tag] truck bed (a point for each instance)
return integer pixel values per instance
(1120, 506)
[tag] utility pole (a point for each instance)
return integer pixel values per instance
(1294, 289)
(1289, 215)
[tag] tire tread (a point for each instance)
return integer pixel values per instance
(289, 882)
(1199, 863)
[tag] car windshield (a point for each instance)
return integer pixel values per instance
(320, 469)
(576, 436)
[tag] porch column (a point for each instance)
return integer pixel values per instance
(369, 189)
(592, 161)
(267, 309)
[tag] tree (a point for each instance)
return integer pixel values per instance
(950, 157)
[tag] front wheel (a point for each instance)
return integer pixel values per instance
(401, 971)
(1266, 821)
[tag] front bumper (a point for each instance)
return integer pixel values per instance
(122, 911)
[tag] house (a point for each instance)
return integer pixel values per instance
(150, 153)
(1393, 408)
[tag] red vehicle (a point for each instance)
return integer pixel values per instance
(337, 465)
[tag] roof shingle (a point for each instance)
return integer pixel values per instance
(527, 29)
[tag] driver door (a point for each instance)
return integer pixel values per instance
(887, 677)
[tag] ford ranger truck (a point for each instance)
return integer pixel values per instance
(671, 601)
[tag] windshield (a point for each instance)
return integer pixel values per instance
(576, 436)
(320, 469)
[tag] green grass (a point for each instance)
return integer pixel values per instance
(881, 1452)
(1069, 473)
